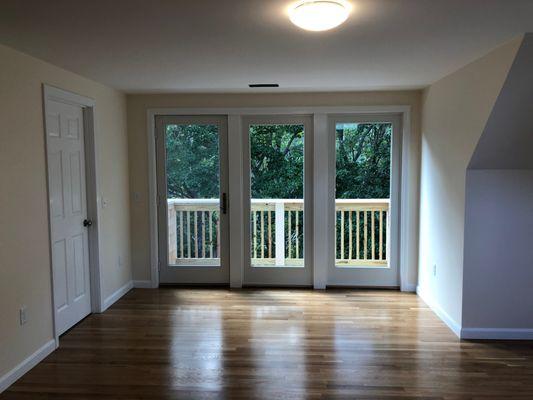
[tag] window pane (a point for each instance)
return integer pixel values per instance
(277, 191)
(193, 187)
(362, 193)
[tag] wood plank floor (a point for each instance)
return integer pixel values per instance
(274, 344)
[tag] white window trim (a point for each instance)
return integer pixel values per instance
(236, 172)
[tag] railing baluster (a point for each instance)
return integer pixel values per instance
(254, 234)
(210, 216)
(365, 234)
(380, 235)
(373, 227)
(342, 235)
(203, 241)
(290, 235)
(357, 235)
(335, 234)
(280, 233)
(182, 254)
(261, 215)
(195, 234)
(218, 233)
(269, 237)
(350, 236)
(297, 234)
(188, 234)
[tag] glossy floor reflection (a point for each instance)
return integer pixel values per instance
(274, 344)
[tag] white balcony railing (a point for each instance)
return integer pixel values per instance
(277, 227)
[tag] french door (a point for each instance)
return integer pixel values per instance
(192, 182)
(364, 187)
(278, 194)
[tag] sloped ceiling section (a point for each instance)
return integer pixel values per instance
(507, 140)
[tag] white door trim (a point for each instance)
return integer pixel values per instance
(51, 93)
(407, 242)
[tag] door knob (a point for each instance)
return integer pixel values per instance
(87, 222)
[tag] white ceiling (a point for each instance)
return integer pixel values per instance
(222, 45)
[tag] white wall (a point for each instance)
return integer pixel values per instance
(498, 256)
(498, 261)
(454, 113)
(24, 242)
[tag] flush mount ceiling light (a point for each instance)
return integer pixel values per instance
(319, 15)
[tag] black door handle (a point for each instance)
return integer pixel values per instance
(224, 205)
(87, 222)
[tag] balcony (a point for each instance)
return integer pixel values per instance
(276, 226)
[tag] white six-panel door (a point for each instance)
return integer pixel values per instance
(68, 211)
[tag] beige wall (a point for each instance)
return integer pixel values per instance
(454, 113)
(24, 247)
(137, 114)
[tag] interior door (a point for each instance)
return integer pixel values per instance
(68, 213)
(278, 199)
(364, 200)
(193, 205)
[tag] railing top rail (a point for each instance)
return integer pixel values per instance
(197, 202)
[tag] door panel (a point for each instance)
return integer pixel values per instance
(68, 210)
(278, 199)
(193, 204)
(365, 163)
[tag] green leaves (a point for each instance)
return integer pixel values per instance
(192, 161)
(363, 156)
(277, 161)
(363, 161)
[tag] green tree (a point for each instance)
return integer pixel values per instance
(192, 161)
(277, 160)
(363, 161)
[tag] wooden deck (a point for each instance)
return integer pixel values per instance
(274, 344)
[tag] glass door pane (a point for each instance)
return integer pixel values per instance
(362, 188)
(366, 192)
(277, 191)
(278, 183)
(192, 186)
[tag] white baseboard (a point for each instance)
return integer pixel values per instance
(497, 333)
(110, 300)
(409, 287)
(12, 376)
(443, 315)
(142, 284)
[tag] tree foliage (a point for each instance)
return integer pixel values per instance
(192, 161)
(363, 161)
(277, 161)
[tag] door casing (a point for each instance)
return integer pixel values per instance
(51, 93)
(408, 206)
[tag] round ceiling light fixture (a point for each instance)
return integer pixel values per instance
(319, 15)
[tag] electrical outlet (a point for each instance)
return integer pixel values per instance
(434, 269)
(23, 315)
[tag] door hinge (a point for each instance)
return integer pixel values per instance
(159, 265)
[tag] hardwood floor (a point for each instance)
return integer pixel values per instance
(274, 344)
